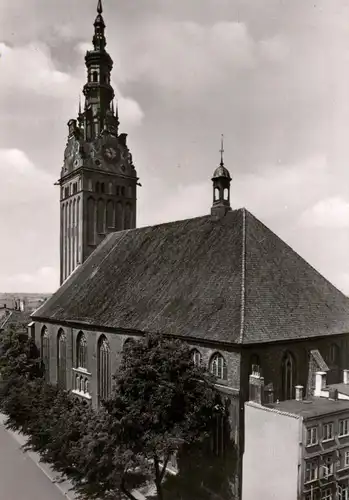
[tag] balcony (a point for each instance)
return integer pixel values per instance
(81, 383)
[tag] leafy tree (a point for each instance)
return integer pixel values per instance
(161, 401)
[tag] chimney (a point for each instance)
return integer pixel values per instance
(345, 376)
(320, 383)
(256, 388)
(269, 393)
(299, 392)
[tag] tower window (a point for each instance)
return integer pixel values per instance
(75, 187)
(216, 194)
(95, 76)
(66, 192)
(226, 194)
(122, 190)
(97, 187)
(102, 187)
(117, 190)
(89, 185)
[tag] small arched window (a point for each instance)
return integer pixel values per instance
(288, 375)
(86, 388)
(61, 359)
(196, 357)
(119, 216)
(102, 187)
(226, 194)
(45, 352)
(103, 369)
(122, 190)
(216, 194)
(89, 185)
(128, 216)
(334, 356)
(95, 76)
(97, 187)
(77, 383)
(81, 351)
(110, 188)
(218, 366)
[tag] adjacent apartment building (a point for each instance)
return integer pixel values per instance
(297, 449)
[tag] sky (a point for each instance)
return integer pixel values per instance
(271, 75)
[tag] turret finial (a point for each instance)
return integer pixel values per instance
(99, 7)
(222, 150)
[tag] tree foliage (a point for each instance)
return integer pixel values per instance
(161, 404)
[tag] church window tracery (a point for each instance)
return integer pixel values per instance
(45, 352)
(196, 356)
(288, 375)
(218, 366)
(103, 368)
(81, 351)
(61, 358)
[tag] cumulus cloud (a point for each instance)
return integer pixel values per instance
(328, 213)
(21, 181)
(30, 68)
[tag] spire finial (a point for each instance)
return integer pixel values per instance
(222, 149)
(99, 7)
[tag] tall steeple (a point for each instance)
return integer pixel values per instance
(221, 187)
(98, 91)
(98, 178)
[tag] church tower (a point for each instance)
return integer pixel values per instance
(98, 180)
(221, 188)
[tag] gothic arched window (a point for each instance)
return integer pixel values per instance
(334, 356)
(81, 351)
(45, 352)
(226, 194)
(101, 217)
(128, 216)
(102, 187)
(110, 188)
(97, 187)
(220, 435)
(61, 359)
(91, 214)
(196, 357)
(218, 366)
(288, 376)
(110, 214)
(77, 383)
(216, 194)
(119, 216)
(103, 368)
(95, 76)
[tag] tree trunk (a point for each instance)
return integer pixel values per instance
(158, 479)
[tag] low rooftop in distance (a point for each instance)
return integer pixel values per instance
(311, 407)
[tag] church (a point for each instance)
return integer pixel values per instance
(224, 283)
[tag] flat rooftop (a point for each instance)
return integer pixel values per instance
(313, 406)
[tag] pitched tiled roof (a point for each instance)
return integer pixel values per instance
(18, 320)
(230, 280)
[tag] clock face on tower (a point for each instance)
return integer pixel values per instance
(111, 154)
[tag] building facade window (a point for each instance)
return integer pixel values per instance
(218, 366)
(311, 471)
(81, 351)
(110, 214)
(61, 359)
(312, 436)
(196, 356)
(344, 427)
(91, 221)
(327, 494)
(346, 458)
(327, 466)
(103, 369)
(288, 376)
(327, 431)
(45, 352)
(343, 492)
